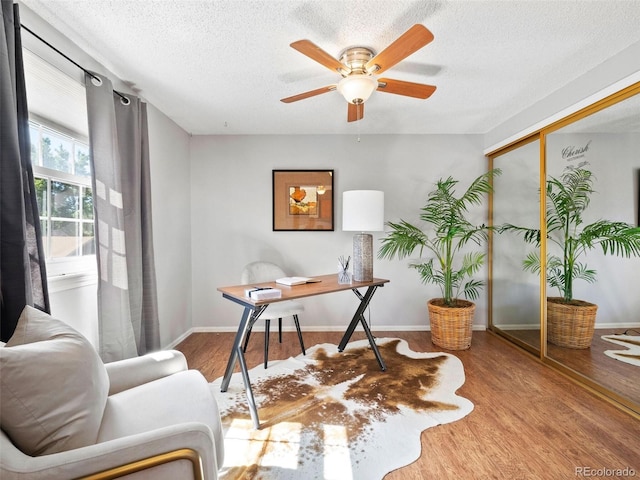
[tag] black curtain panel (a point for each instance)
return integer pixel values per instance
(23, 278)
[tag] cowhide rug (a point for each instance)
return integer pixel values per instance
(631, 354)
(332, 415)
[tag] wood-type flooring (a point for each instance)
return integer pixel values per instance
(529, 421)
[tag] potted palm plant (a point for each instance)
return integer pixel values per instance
(447, 266)
(570, 321)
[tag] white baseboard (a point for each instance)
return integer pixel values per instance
(603, 325)
(182, 337)
(376, 328)
(324, 328)
(516, 326)
(329, 328)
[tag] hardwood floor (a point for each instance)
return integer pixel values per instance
(529, 422)
(620, 377)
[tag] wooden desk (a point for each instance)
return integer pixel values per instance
(253, 309)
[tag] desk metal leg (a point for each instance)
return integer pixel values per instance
(253, 410)
(359, 317)
(372, 342)
(249, 317)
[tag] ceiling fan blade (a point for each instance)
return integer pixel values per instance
(314, 52)
(408, 89)
(311, 93)
(409, 42)
(355, 112)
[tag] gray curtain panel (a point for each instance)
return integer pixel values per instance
(23, 276)
(127, 299)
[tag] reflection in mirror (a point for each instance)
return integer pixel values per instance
(515, 293)
(605, 143)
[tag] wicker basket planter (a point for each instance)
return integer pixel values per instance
(451, 327)
(570, 325)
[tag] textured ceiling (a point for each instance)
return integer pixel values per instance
(221, 67)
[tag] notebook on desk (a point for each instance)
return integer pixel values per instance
(295, 280)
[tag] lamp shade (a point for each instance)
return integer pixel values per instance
(357, 88)
(363, 211)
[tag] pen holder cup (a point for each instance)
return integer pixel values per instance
(344, 277)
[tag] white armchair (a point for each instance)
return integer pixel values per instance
(157, 420)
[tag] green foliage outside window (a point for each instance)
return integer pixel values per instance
(65, 201)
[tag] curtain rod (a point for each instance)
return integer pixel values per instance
(69, 59)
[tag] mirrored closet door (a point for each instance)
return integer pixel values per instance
(515, 293)
(601, 142)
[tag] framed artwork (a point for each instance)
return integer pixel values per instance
(302, 200)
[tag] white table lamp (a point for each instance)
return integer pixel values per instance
(363, 211)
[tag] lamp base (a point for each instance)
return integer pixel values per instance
(362, 257)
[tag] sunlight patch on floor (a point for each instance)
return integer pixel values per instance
(283, 448)
(276, 446)
(337, 460)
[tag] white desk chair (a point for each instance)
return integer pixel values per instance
(258, 272)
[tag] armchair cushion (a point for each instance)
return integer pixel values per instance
(131, 372)
(183, 397)
(54, 386)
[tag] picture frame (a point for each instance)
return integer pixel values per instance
(303, 200)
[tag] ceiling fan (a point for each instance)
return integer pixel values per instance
(357, 65)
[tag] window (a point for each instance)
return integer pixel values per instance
(65, 199)
(61, 166)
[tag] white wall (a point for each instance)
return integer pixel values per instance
(614, 162)
(516, 292)
(232, 217)
(74, 300)
(615, 74)
(170, 185)
(611, 76)
(613, 159)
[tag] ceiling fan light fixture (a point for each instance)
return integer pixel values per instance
(358, 88)
(360, 66)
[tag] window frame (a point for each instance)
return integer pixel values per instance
(82, 265)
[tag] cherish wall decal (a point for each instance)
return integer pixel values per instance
(571, 152)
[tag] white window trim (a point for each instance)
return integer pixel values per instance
(60, 267)
(46, 68)
(71, 281)
(67, 273)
